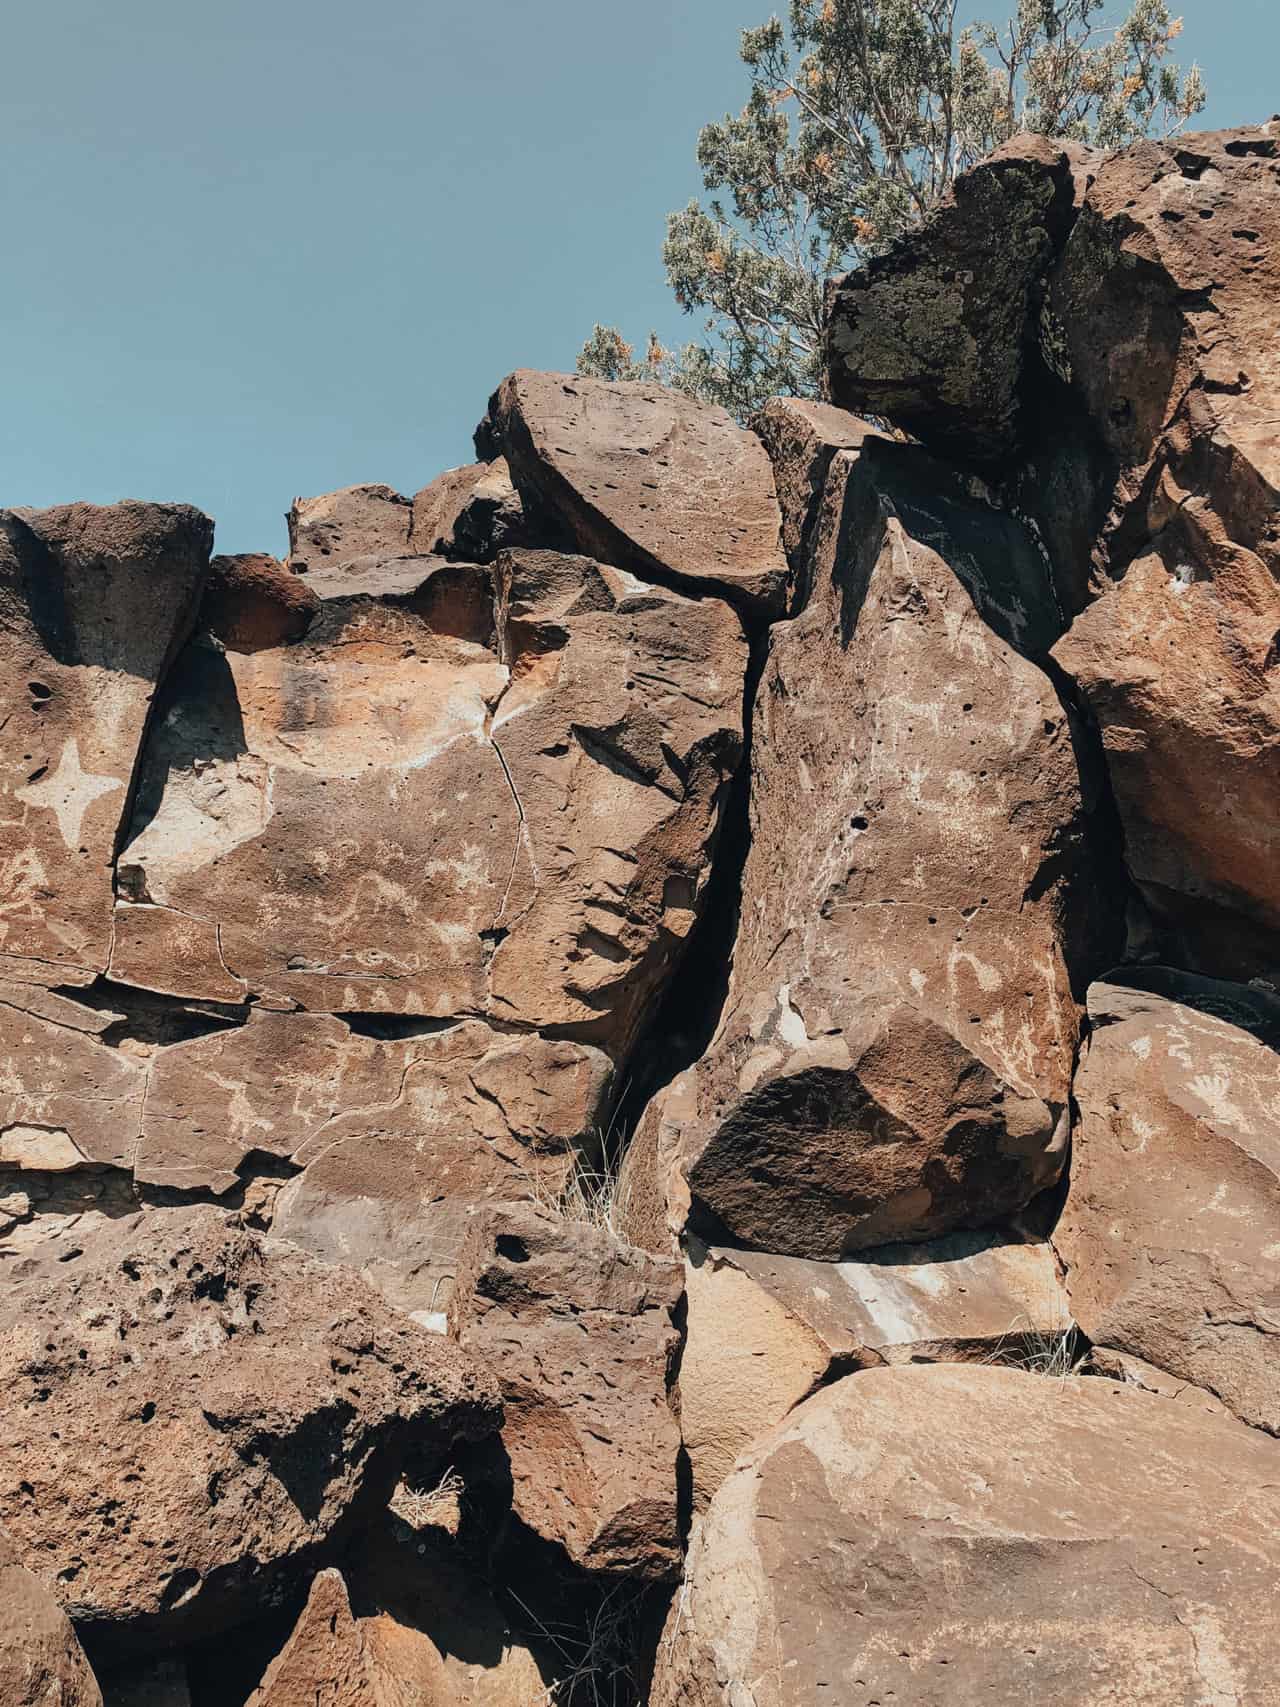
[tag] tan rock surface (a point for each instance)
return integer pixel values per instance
(41, 1662)
(895, 1054)
(328, 531)
(647, 479)
(1171, 1230)
(957, 1534)
(764, 1331)
(93, 603)
(467, 1116)
(580, 1330)
(192, 1411)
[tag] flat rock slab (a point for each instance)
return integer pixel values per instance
(193, 1410)
(580, 1330)
(648, 480)
(1171, 1229)
(94, 602)
(957, 1534)
(764, 1331)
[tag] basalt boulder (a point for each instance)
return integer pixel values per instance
(1171, 1230)
(895, 1054)
(965, 1534)
(194, 1413)
(646, 479)
(94, 603)
(580, 1329)
(41, 1662)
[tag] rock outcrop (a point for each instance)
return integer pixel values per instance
(1170, 1228)
(93, 604)
(969, 1535)
(690, 1000)
(797, 1324)
(192, 1412)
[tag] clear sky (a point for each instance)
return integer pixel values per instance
(256, 248)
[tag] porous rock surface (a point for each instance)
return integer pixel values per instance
(965, 1534)
(191, 1413)
(896, 1051)
(582, 1331)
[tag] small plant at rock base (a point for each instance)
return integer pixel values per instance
(438, 1507)
(597, 1658)
(1056, 1355)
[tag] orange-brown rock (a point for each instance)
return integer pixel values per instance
(360, 521)
(1165, 296)
(1171, 1230)
(895, 1055)
(387, 816)
(424, 1132)
(961, 1534)
(41, 1662)
(193, 1411)
(93, 604)
(619, 733)
(253, 600)
(647, 479)
(580, 1331)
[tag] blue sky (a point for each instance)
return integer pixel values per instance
(268, 247)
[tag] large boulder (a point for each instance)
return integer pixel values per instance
(647, 479)
(962, 1534)
(193, 1412)
(41, 1662)
(1171, 1230)
(94, 602)
(936, 332)
(895, 1055)
(469, 513)
(797, 1324)
(580, 1329)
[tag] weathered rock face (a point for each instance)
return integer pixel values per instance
(41, 1662)
(801, 437)
(470, 513)
(93, 604)
(895, 1055)
(920, 1532)
(937, 344)
(252, 600)
(646, 479)
(798, 1324)
(338, 527)
(192, 1412)
(445, 803)
(580, 1329)
(619, 733)
(1171, 1231)
(467, 1115)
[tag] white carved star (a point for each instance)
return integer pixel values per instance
(68, 792)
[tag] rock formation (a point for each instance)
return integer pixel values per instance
(682, 1025)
